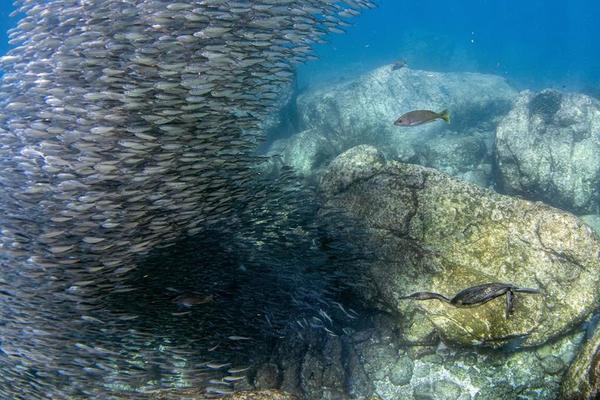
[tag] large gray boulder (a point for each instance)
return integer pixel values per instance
(335, 118)
(431, 232)
(547, 149)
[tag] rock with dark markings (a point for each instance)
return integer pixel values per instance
(547, 150)
(430, 232)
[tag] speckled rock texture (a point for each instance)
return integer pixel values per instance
(306, 151)
(313, 366)
(199, 394)
(582, 380)
(334, 118)
(374, 363)
(547, 149)
(431, 232)
(262, 395)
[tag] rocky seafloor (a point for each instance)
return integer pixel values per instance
(507, 192)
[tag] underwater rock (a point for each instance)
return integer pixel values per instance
(267, 376)
(431, 232)
(461, 373)
(547, 149)
(306, 151)
(313, 366)
(191, 394)
(376, 364)
(362, 111)
(316, 365)
(438, 390)
(402, 371)
(359, 163)
(582, 380)
(593, 220)
(467, 157)
(262, 395)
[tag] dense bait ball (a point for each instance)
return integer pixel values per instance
(125, 126)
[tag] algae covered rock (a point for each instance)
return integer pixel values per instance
(263, 395)
(548, 149)
(431, 232)
(461, 373)
(363, 110)
(582, 380)
(467, 157)
(195, 394)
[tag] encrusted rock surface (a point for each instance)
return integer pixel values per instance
(431, 232)
(194, 394)
(374, 363)
(582, 380)
(334, 118)
(547, 149)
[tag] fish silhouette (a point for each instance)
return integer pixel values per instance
(477, 295)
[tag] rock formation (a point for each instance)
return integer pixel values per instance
(430, 232)
(547, 149)
(334, 118)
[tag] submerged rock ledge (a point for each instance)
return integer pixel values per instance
(547, 149)
(431, 232)
(334, 118)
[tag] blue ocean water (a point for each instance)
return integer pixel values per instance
(5, 24)
(538, 43)
(534, 45)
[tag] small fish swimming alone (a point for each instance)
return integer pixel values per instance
(418, 117)
(191, 299)
(399, 64)
(477, 295)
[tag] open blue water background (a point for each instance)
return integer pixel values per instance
(533, 43)
(5, 24)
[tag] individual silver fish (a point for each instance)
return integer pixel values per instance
(192, 299)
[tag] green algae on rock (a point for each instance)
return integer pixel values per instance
(431, 232)
(582, 380)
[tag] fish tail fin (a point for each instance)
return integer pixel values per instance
(445, 115)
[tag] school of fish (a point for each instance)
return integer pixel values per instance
(125, 126)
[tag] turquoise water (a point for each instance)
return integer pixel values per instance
(148, 247)
(535, 43)
(5, 24)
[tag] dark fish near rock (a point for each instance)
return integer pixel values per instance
(418, 117)
(477, 295)
(399, 64)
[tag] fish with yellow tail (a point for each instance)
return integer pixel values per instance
(418, 117)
